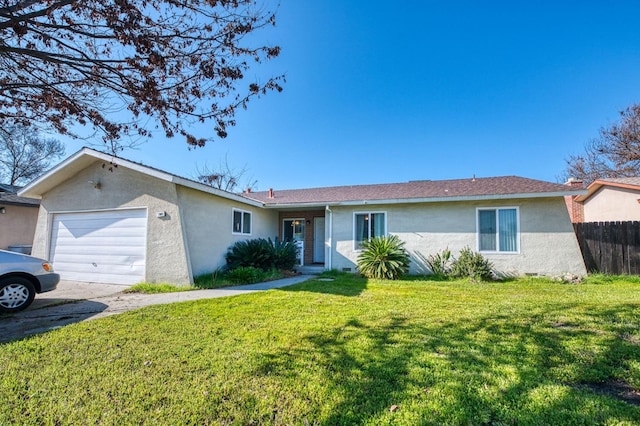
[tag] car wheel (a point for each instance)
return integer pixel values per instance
(16, 293)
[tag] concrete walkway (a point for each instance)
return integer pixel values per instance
(75, 302)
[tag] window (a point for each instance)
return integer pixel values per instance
(293, 230)
(241, 222)
(368, 225)
(498, 230)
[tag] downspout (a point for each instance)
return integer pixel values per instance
(329, 237)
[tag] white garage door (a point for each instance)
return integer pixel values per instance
(103, 247)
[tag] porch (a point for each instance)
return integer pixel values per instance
(307, 229)
(310, 269)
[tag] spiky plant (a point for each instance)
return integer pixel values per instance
(383, 258)
(257, 253)
(285, 254)
(440, 263)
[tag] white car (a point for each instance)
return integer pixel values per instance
(21, 277)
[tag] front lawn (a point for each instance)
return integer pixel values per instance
(349, 351)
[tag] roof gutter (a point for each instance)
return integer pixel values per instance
(425, 200)
(215, 191)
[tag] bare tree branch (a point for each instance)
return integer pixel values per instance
(24, 154)
(178, 62)
(225, 177)
(614, 153)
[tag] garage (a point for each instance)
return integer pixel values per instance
(106, 246)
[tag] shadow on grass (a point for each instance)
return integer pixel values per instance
(35, 321)
(499, 369)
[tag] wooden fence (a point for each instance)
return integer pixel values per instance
(610, 247)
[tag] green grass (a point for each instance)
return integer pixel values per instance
(155, 288)
(219, 279)
(526, 352)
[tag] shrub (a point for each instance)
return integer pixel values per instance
(285, 254)
(257, 253)
(383, 258)
(440, 263)
(245, 275)
(472, 265)
(262, 254)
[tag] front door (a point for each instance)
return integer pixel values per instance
(318, 240)
(293, 230)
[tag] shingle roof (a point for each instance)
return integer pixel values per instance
(424, 189)
(413, 191)
(8, 196)
(626, 180)
(8, 188)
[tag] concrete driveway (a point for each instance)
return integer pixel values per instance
(73, 302)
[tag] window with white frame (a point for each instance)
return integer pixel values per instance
(241, 222)
(498, 229)
(368, 225)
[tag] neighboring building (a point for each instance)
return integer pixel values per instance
(136, 223)
(18, 217)
(576, 210)
(610, 200)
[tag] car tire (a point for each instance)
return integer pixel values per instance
(16, 293)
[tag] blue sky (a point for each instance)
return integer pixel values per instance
(382, 91)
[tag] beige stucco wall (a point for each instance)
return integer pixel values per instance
(123, 188)
(17, 225)
(207, 223)
(547, 241)
(612, 204)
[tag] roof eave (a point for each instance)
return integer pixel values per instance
(87, 156)
(425, 199)
(215, 191)
(18, 203)
(596, 185)
(77, 162)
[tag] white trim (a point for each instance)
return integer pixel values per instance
(368, 212)
(496, 208)
(284, 206)
(215, 191)
(329, 241)
(233, 232)
(85, 156)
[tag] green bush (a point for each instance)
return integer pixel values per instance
(472, 265)
(245, 275)
(285, 254)
(257, 253)
(440, 263)
(383, 258)
(263, 254)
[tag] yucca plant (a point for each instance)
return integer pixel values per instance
(383, 258)
(440, 263)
